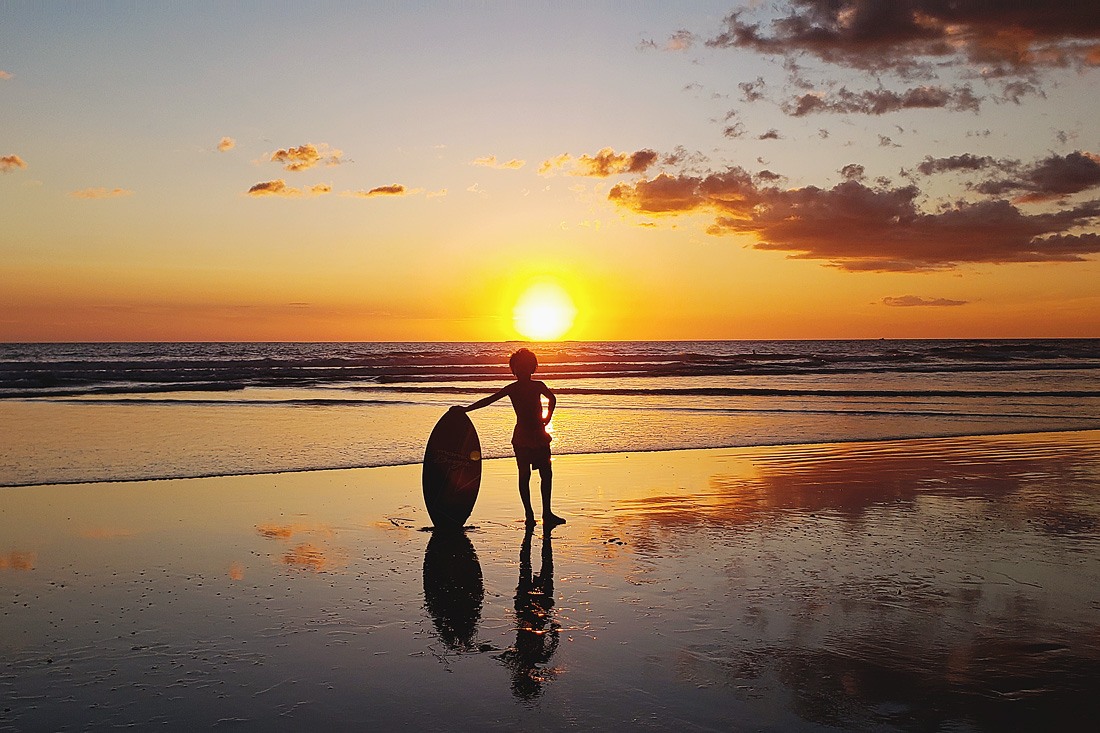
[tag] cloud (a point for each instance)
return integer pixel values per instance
(1005, 38)
(603, 164)
(909, 301)
(882, 101)
(278, 187)
(964, 162)
(1052, 178)
(681, 40)
(856, 227)
(394, 189)
(226, 144)
(9, 163)
(490, 161)
(4, 75)
(306, 156)
(100, 193)
(771, 134)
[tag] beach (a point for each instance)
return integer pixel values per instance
(920, 584)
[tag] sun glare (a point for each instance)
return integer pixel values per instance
(544, 312)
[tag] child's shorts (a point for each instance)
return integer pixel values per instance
(537, 458)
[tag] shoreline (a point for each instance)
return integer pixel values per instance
(784, 444)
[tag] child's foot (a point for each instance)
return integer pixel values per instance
(552, 520)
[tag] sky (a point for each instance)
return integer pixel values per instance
(409, 171)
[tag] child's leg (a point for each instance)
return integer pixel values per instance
(525, 489)
(546, 476)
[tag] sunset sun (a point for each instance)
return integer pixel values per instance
(544, 312)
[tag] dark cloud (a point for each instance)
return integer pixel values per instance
(1048, 179)
(734, 131)
(861, 228)
(965, 162)
(882, 101)
(752, 90)
(853, 172)
(909, 301)
(772, 134)
(1006, 37)
(603, 164)
(9, 163)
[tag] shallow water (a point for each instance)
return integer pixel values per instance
(106, 412)
(942, 584)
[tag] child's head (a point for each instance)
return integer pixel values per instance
(523, 363)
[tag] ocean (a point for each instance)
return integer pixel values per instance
(74, 413)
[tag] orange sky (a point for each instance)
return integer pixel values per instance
(407, 173)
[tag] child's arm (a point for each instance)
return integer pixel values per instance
(551, 400)
(484, 401)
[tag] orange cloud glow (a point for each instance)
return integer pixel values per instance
(394, 189)
(278, 187)
(306, 156)
(9, 163)
(226, 144)
(856, 227)
(603, 164)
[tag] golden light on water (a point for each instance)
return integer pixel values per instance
(544, 312)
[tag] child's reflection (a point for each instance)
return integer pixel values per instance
(536, 629)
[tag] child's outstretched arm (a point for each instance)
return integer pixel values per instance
(484, 401)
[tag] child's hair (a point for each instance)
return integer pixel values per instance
(523, 361)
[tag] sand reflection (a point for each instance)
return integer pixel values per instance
(537, 632)
(16, 560)
(453, 589)
(1035, 478)
(913, 584)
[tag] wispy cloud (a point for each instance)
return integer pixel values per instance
(101, 193)
(307, 156)
(4, 75)
(858, 227)
(9, 163)
(278, 187)
(601, 165)
(910, 301)
(681, 40)
(226, 144)
(490, 161)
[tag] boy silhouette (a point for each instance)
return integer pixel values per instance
(530, 441)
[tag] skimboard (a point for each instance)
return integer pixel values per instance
(452, 470)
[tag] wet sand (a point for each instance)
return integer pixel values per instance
(932, 584)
